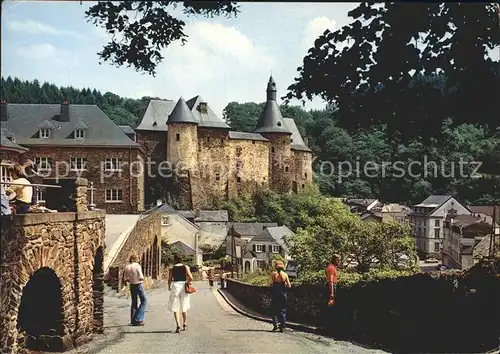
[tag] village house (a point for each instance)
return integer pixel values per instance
(67, 141)
(466, 240)
(204, 161)
(387, 213)
(361, 206)
(427, 222)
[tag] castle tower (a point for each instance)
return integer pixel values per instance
(182, 151)
(272, 126)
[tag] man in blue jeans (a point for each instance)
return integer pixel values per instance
(133, 275)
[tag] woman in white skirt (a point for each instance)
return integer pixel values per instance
(179, 298)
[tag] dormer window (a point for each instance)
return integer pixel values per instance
(79, 134)
(44, 133)
(203, 107)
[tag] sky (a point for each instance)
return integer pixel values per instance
(224, 59)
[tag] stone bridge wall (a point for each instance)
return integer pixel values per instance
(66, 243)
(452, 313)
(145, 242)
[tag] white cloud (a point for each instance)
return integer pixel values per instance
(316, 28)
(48, 55)
(35, 27)
(213, 56)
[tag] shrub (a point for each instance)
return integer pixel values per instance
(259, 277)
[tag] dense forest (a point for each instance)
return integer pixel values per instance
(333, 141)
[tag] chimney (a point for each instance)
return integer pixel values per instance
(3, 114)
(64, 116)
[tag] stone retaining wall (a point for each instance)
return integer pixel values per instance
(144, 242)
(66, 249)
(422, 313)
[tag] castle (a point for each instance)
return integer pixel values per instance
(210, 162)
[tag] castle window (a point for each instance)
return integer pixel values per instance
(305, 174)
(272, 150)
(291, 141)
(222, 140)
(177, 137)
(217, 176)
(238, 179)
(253, 142)
(208, 139)
(112, 164)
(79, 134)
(303, 186)
(114, 195)
(238, 150)
(286, 169)
(44, 133)
(43, 163)
(78, 163)
(279, 124)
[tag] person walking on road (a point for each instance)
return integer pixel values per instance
(133, 275)
(179, 299)
(331, 278)
(211, 278)
(279, 284)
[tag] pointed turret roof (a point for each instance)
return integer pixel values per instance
(181, 114)
(271, 120)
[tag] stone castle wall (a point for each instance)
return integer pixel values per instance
(144, 241)
(221, 168)
(70, 246)
(424, 313)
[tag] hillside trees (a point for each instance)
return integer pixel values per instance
(441, 69)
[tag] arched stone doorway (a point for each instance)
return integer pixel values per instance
(247, 266)
(98, 290)
(40, 320)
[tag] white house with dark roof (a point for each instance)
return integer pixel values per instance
(259, 250)
(427, 222)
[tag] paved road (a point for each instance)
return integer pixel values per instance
(213, 327)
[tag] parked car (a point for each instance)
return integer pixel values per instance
(442, 267)
(431, 260)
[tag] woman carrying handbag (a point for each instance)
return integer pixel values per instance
(179, 285)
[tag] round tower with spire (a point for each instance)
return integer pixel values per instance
(272, 126)
(182, 136)
(182, 150)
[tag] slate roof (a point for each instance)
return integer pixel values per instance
(181, 246)
(209, 119)
(278, 233)
(433, 201)
(188, 214)
(212, 215)
(181, 114)
(158, 113)
(482, 209)
(127, 129)
(263, 236)
(271, 120)
(25, 121)
(297, 141)
(250, 228)
(6, 143)
(246, 136)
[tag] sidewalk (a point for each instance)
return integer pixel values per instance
(245, 311)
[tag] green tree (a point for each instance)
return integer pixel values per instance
(139, 30)
(442, 68)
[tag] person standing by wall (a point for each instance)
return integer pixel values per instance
(20, 195)
(332, 278)
(179, 300)
(133, 275)
(279, 284)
